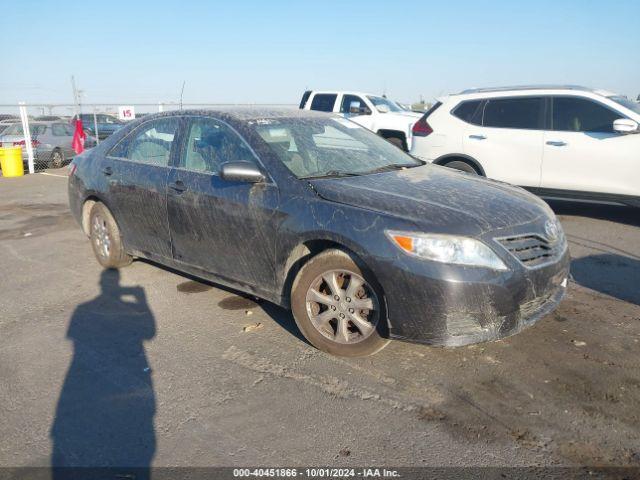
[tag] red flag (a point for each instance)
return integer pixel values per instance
(78, 138)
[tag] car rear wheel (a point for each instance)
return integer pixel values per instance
(106, 239)
(337, 307)
(462, 166)
(57, 159)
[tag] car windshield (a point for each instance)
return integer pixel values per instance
(16, 129)
(625, 102)
(379, 101)
(327, 147)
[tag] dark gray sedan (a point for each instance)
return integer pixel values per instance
(312, 212)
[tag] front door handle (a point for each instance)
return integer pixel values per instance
(477, 137)
(178, 186)
(108, 171)
(556, 143)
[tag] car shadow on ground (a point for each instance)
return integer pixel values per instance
(238, 300)
(609, 273)
(626, 215)
(105, 412)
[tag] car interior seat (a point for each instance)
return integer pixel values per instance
(575, 124)
(195, 160)
(292, 159)
(208, 149)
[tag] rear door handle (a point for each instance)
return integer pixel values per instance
(477, 137)
(178, 186)
(108, 171)
(556, 143)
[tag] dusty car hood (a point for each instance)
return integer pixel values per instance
(437, 198)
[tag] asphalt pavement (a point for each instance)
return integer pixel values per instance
(150, 367)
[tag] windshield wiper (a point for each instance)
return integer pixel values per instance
(331, 174)
(393, 166)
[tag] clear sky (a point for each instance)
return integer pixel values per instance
(269, 51)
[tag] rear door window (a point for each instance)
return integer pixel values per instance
(150, 143)
(572, 114)
(61, 130)
(519, 113)
(305, 97)
(469, 112)
(324, 102)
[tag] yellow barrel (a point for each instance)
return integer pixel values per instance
(11, 162)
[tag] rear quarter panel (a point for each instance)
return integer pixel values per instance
(447, 137)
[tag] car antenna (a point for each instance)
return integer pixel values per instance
(182, 93)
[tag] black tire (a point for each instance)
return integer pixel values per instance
(398, 142)
(57, 159)
(462, 166)
(103, 230)
(358, 342)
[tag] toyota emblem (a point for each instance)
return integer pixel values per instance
(551, 229)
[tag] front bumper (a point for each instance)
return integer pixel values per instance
(456, 305)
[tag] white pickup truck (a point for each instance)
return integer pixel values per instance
(378, 114)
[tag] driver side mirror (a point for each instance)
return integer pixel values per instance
(624, 125)
(241, 171)
(354, 108)
(358, 108)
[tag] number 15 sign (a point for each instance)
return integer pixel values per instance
(126, 113)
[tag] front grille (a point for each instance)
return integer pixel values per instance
(533, 250)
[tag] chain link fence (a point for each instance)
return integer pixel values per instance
(45, 132)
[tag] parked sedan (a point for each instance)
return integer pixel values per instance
(51, 142)
(315, 213)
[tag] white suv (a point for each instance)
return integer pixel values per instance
(559, 142)
(379, 114)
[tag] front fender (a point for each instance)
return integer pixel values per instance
(356, 229)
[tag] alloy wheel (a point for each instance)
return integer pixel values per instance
(101, 236)
(342, 306)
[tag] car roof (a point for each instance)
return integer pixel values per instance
(244, 113)
(534, 89)
(39, 122)
(345, 92)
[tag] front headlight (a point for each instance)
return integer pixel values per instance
(447, 249)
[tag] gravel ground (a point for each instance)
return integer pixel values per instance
(152, 367)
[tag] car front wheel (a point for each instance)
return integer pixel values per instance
(337, 308)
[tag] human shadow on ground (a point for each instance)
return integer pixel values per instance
(240, 300)
(105, 412)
